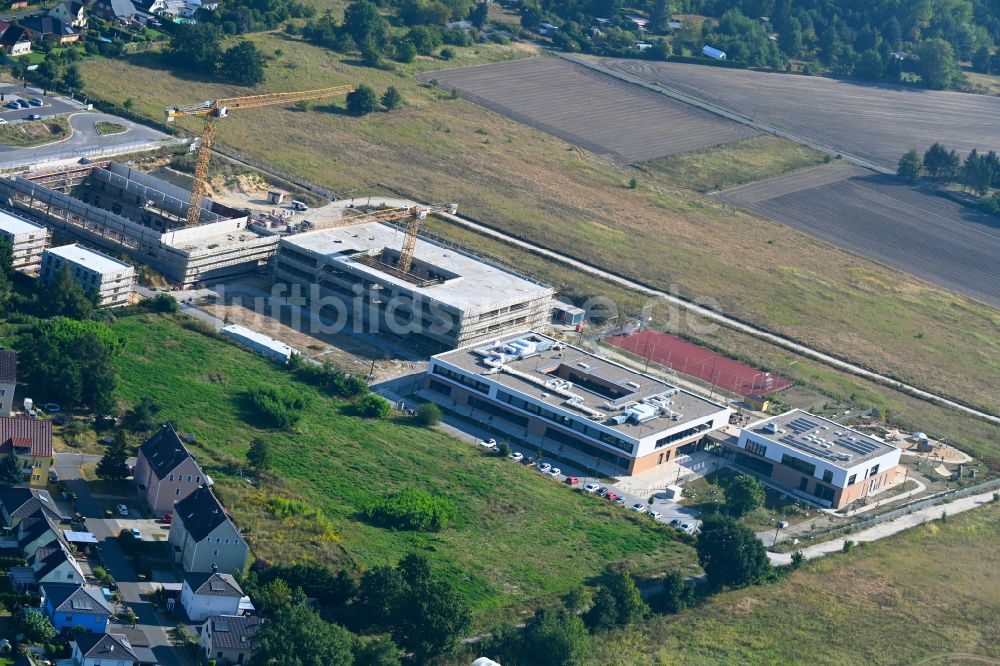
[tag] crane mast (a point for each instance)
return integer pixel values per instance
(220, 108)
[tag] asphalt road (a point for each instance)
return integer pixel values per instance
(85, 139)
(150, 620)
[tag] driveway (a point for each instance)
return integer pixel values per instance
(153, 623)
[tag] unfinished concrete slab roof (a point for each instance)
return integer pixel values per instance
(16, 226)
(92, 259)
(461, 280)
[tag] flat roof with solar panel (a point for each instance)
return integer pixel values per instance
(820, 438)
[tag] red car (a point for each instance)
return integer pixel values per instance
(572, 480)
(167, 519)
(611, 497)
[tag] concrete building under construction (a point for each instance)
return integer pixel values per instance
(446, 298)
(118, 208)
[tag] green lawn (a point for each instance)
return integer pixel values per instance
(926, 596)
(34, 133)
(733, 164)
(519, 539)
(104, 127)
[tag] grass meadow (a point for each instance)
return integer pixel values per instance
(519, 537)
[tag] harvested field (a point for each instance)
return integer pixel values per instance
(878, 216)
(590, 109)
(697, 361)
(877, 123)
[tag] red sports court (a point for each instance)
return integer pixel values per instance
(705, 364)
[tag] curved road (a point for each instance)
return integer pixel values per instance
(85, 137)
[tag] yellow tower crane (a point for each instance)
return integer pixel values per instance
(220, 108)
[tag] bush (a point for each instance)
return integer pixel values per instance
(162, 303)
(412, 509)
(281, 407)
(428, 414)
(447, 53)
(336, 382)
(373, 406)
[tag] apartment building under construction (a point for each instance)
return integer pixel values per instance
(121, 209)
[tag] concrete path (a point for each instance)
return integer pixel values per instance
(888, 528)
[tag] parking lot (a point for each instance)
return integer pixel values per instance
(50, 106)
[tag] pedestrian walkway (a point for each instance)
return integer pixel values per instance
(888, 528)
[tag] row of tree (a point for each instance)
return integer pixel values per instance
(874, 39)
(366, 29)
(198, 48)
(978, 173)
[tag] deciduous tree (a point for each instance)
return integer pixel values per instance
(744, 494)
(730, 553)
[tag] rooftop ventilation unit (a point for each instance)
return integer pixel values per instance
(770, 428)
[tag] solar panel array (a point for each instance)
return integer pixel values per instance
(801, 425)
(861, 446)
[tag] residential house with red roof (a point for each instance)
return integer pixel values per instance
(31, 442)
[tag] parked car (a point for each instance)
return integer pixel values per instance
(639, 507)
(136, 534)
(167, 519)
(3, 121)
(572, 480)
(23, 104)
(53, 476)
(517, 456)
(12, 105)
(122, 510)
(33, 116)
(591, 488)
(611, 496)
(619, 500)
(37, 101)
(62, 419)
(675, 523)
(688, 527)
(52, 408)
(298, 205)
(603, 492)
(544, 468)
(655, 515)
(488, 443)
(555, 471)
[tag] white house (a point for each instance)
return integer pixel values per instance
(229, 639)
(204, 595)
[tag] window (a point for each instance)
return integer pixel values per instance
(177, 491)
(799, 464)
(828, 476)
(69, 618)
(227, 542)
(189, 478)
(171, 477)
(197, 479)
(756, 448)
(215, 553)
(851, 479)
(873, 471)
(803, 483)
